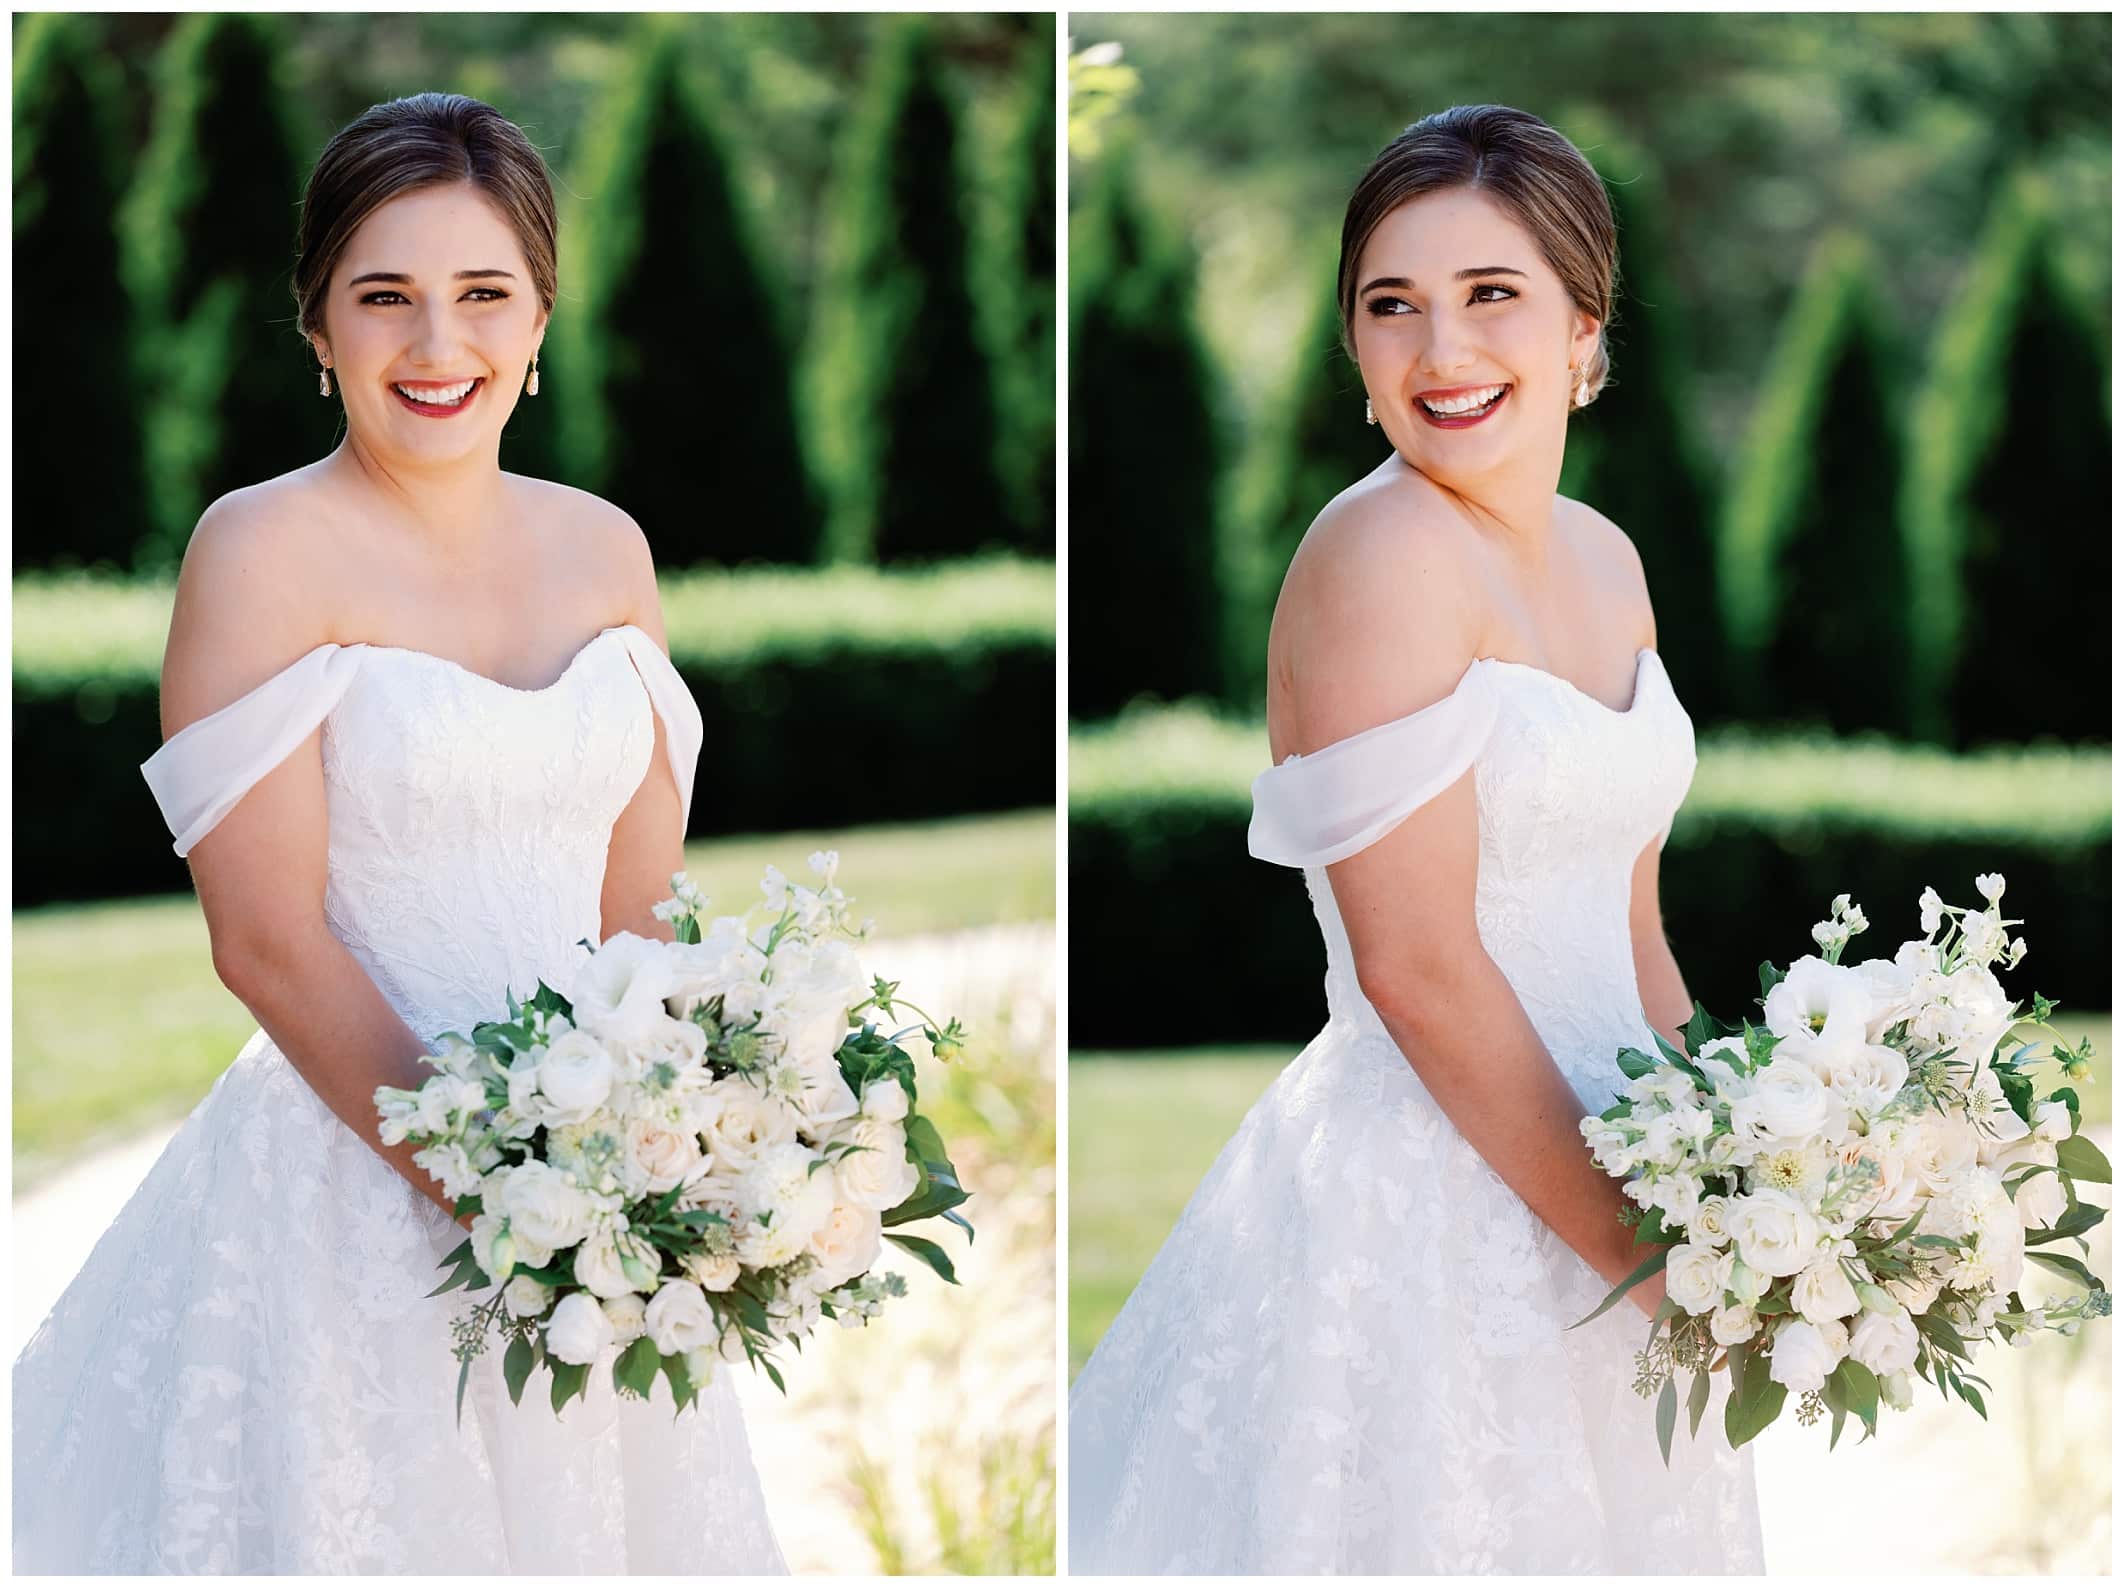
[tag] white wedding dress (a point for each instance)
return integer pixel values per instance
(1351, 1354)
(247, 1376)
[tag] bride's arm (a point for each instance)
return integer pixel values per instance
(648, 839)
(260, 873)
(1373, 641)
(1660, 987)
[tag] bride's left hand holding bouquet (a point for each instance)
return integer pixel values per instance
(694, 1152)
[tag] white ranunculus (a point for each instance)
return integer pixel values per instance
(1790, 1099)
(879, 1177)
(525, 1297)
(1817, 1005)
(1732, 1326)
(578, 1329)
(624, 1313)
(1822, 1292)
(661, 1155)
(545, 1207)
(1803, 1354)
(618, 992)
(887, 1100)
(1707, 1224)
(846, 1245)
(1773, 1231)
(574, 1076)
(1865, 1076)
(1696, 1276)
(679, 1319)
(744, 1123)
(1885, 1342)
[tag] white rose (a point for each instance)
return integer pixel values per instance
(1823, 1292)
(578, 1329)
(1916, 1291)
(1696, 1276)
(624, 1313)
(545, 1207)
(878, 1177)
(886, 1100)
(846, 1245)
(525, 1297)
(574, 1076)
(661, 1156)
(1865, 1076)
(712, 1271)
(744, 1123)
(601, 1263)
(1940, 1149)
(618, 992)
(1707, 1225)
(1790, 1098)
(1773, 1231)
(1733, 1325)
(1885, 1342)
(1803, 1354)
(679, 1319)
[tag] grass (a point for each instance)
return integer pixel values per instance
(120, 1023)
(1145, 1127)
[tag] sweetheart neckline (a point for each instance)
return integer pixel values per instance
(472, 672)
(1637, 683)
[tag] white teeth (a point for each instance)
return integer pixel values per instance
(1466, 403)
(439, 397)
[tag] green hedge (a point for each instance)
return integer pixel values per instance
(1772, 829)
(942, 681)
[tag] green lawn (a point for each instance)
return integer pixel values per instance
(1145, 1127)
(120, 1022)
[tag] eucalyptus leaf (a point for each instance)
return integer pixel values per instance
(2070, 1267)
(1699, 1398)
(1663, 1417)
(570, 1379)
(517, 1363)
(1644, 1271)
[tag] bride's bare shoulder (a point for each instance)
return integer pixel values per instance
(1612, 562)
(599, 546)
(1379, 612)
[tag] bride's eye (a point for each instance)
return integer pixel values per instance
(1381, 308)
(1491, 286)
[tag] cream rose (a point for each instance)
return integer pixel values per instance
(879, 1175)
(1803, 1354)
(578, 1329)
(1885, 1342)
(624, 1313)
(846, 1245)
(1734, 1325)
(525, 1297)
(712, 1270)
(1707, 1225)
(1774, 1232)
(544, 1207)
(661, 1156)
(1865, 1076)
(744, 1123)
(679, 1319)
(1696, 1276)
(1823, 1292)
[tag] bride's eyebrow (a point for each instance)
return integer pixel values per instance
(1468, 274)
(399, 278)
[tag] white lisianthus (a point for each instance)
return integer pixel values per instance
(679, 1319)
(878, 1176)
(1707, 1224)
(1817, 1005)
(1823, 1293)
(578, 1329)
(1696, 1276)
(1803, 1354)
(2053, 1120)
(544, 1207)
(1732, 1326)
(492, 1246)
(886, 1100)
(1885, 1342)
(1773, 1231)
(624, 1313)
(846, 1245)
(745, 1123)
(525, 1297)
(618, 992)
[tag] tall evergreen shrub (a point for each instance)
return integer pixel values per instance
(1145, 603)
(678, 395)
(2008, 502)
(1025, 284)
(1634, 455)
(1817, 583)
(79, 495)
(209, 232)
(917, 467)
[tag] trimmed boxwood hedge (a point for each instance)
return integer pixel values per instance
(1160, 879)
(830, 697)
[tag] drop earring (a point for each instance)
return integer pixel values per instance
(531, 385)
(1370, 418)
(324, 381)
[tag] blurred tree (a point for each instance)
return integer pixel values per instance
(209, 234)
(677, 400)
(79, 495)
(1026, 285)
(2007, 503)
(1817, 583)
(1146, 595)
(917, 471)
(1634, 454)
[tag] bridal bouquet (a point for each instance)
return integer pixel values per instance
(692, 1152)
(1847, 1194)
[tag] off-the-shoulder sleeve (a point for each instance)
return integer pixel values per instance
(674, 703)
(206, 767)
(1316, 809)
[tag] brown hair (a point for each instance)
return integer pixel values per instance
(422, 141)
(1532, 171)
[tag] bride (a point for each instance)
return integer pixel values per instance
(1354, 1352)
(422, 737)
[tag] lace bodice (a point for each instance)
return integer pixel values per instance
(468, 821)
(1568, 793)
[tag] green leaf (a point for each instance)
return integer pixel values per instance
(2071, 1100)
(1644, 1271)
(2083, 1160)
(517, 1363)
(1634, 1063)
(2073, 1221)
(1836, 1424)
(464, 1377)
(2070, 1267)
(1699, 1398)
(570, 1379)
(1769, 975)
(1619, 1109)
(1755, 1403)
(1973, 1398)
(634, 1370)
(1649, 1227)
(1942, 1333)
(1663, 1417)
(927, 1202)
(930, 1252)
(683, 1388)
(1860, 1390)
(774, 1375)
(2019, 1090)
(467, 1204)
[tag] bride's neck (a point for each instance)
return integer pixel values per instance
(457, 507)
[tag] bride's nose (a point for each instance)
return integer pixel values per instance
(1450, 351)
